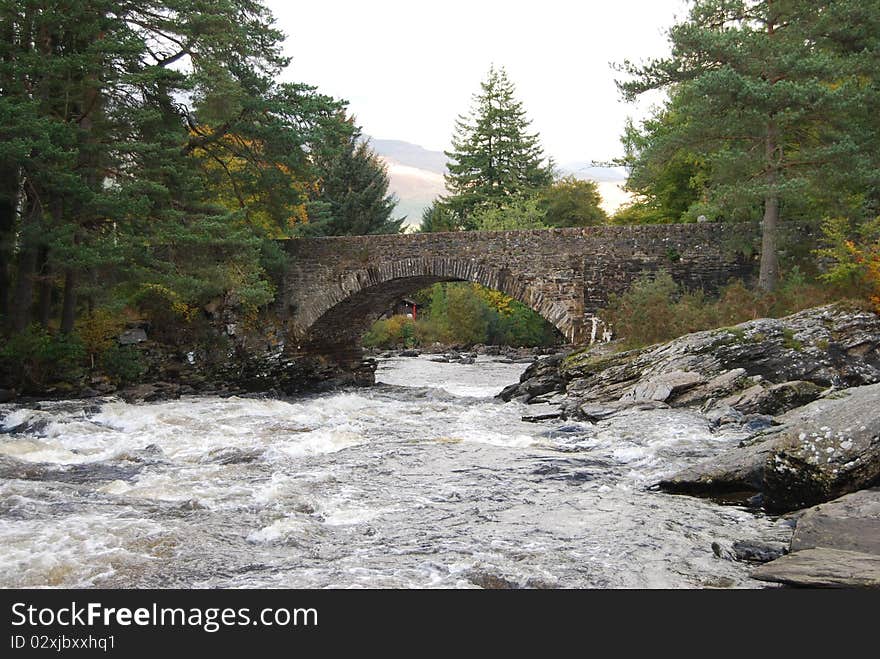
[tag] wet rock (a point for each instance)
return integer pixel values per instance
(140, 393)
(233, 455)
(35, 424)
(541, 377)
(834, 544)
(409, 353)
(664, 386)
(851, 522)
(820, 451)
(467, 360)
(547, 416)
(592, 412)
(823, 568)
(439, 359)
(831, 447)
(490, 581)
(754, 551)
(509, 392)
(775, 399)
(816, 346)
(737, 470)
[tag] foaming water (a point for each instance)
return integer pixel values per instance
(425, 480)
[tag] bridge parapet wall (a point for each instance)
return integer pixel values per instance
(336, 286)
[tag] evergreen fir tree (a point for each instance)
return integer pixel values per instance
(494, 157)
(352, 197)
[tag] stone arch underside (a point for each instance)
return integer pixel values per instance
(335, 320)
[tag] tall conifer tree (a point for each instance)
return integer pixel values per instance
(494, 156)
(778, 97)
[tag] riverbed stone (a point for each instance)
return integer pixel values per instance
(851, 522)
(819, 452)
(736, 470)
(823, 567)
(664, 386)
(829, 448)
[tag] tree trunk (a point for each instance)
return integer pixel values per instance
(769, 273)
(68, 308)
(44, 286)
(23, 296)
(7, 239)
(26, 265)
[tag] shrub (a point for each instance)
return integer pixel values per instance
(122, 363)
(98, 332)
(165, 311)
(854, 257)
(390, 332)
(655, 310)
(35, 358)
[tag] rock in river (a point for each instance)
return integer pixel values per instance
(822, 450)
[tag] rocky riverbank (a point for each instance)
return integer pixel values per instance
(803, 389)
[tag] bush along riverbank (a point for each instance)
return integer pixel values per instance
(219, 351)
(805, 392)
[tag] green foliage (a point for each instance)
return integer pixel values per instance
(123, 364)
(437, 217)
(467, 315)
(352, 194)
(516, 214)
(34, 359)
(853, 256)
(772, 112)
(571, 202)
(390, 332)
(464, 314)
(151, 143)
(493, 157)
(99, 330)
(654, 309)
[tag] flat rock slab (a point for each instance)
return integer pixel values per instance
(741, 468)
(823, 568)
(851, 522)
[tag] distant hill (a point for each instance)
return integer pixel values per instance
(411, 155)
(416, 176)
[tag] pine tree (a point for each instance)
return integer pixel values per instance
(494, 157)
(780, 97)
(105, 183)
(352, 198)
(436, 218)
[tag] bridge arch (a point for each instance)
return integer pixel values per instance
(348, 306)
(333, 287)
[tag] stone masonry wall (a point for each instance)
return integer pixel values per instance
(335, 287)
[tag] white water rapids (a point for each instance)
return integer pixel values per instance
(423, 481)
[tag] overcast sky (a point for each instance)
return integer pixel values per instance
(409, 68)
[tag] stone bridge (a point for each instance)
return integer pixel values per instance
(334, 288)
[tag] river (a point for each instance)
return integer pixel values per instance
(423, 481)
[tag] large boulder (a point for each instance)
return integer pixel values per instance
(851, 522)
(821, 451)
(791, 359)
(830, 447)
(823, 568)
(541, 377)
(835, 544)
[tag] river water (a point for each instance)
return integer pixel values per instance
(425, 480)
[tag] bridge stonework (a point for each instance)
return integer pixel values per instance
(334, 288)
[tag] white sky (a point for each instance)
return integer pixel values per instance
(409, 68)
